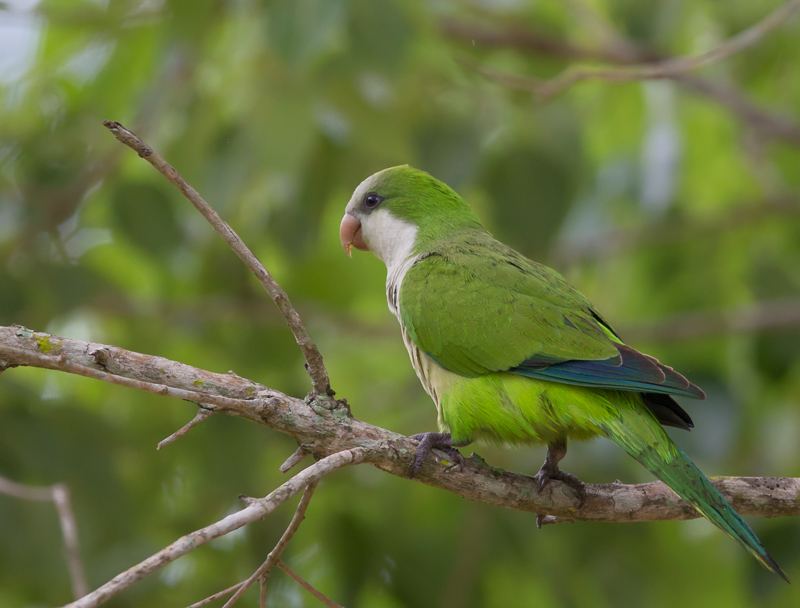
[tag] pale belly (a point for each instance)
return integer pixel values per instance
(508, 408)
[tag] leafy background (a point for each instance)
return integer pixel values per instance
(677, 215)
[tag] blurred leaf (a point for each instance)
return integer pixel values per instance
(144, 214)
(528, 188)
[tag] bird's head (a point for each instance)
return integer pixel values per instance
(399, 210)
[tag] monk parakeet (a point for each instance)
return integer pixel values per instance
(512, 353)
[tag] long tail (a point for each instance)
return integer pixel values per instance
(639, 434)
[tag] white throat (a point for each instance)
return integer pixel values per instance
(389, 238)
(392, 241)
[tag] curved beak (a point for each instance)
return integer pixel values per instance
(350, 234)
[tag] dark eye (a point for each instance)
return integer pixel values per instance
(372, 200)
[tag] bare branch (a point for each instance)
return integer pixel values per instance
(262, 572)
(617, 50)
(199, 417)
(18, 490)
(61, 363)
(69, 531)
(253, 512)
(299, 515)
(316, 368)
(323, 432)
(307, 586)
(765, 123)
(296, 458)
(59, 495)
(667, 68)
(532, 41)
(216, 596)
(741, 41)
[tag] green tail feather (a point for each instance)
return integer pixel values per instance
(646, 441)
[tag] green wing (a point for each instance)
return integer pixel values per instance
(477, 306)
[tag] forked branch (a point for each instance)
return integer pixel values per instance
(257, 509)
(677, 66)
(626, 61)
(274, 557)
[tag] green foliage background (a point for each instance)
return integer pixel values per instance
(657, 201)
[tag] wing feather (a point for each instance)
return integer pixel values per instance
(476, 306)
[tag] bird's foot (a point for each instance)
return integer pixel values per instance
(544, 476)
(439, 441)
(555, 452)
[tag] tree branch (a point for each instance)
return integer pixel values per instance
(620, 51)
(59, 495)
(305, 585)
(676, 66)
(216, 596)
(262, 572)
(298, 456)
(257, 509)
(316, 369)
(201, 415)
(322, 431)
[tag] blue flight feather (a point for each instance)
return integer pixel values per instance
(631, 371)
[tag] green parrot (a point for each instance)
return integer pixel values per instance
(512, 353)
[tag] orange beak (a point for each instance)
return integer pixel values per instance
(350, 234)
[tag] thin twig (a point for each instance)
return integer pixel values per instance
(296, 458)
(253, 512)
(61, 363)
(18, 490)
(275, 555)
(299, 515)
(616, 50)
(69, 531)
(307, 586)
(613, 48)
(528, 40)
(59, 496)
(735, 44)
(668, 68)
(216, 596)
(765, 123)
(202, 414)
(316, 369)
